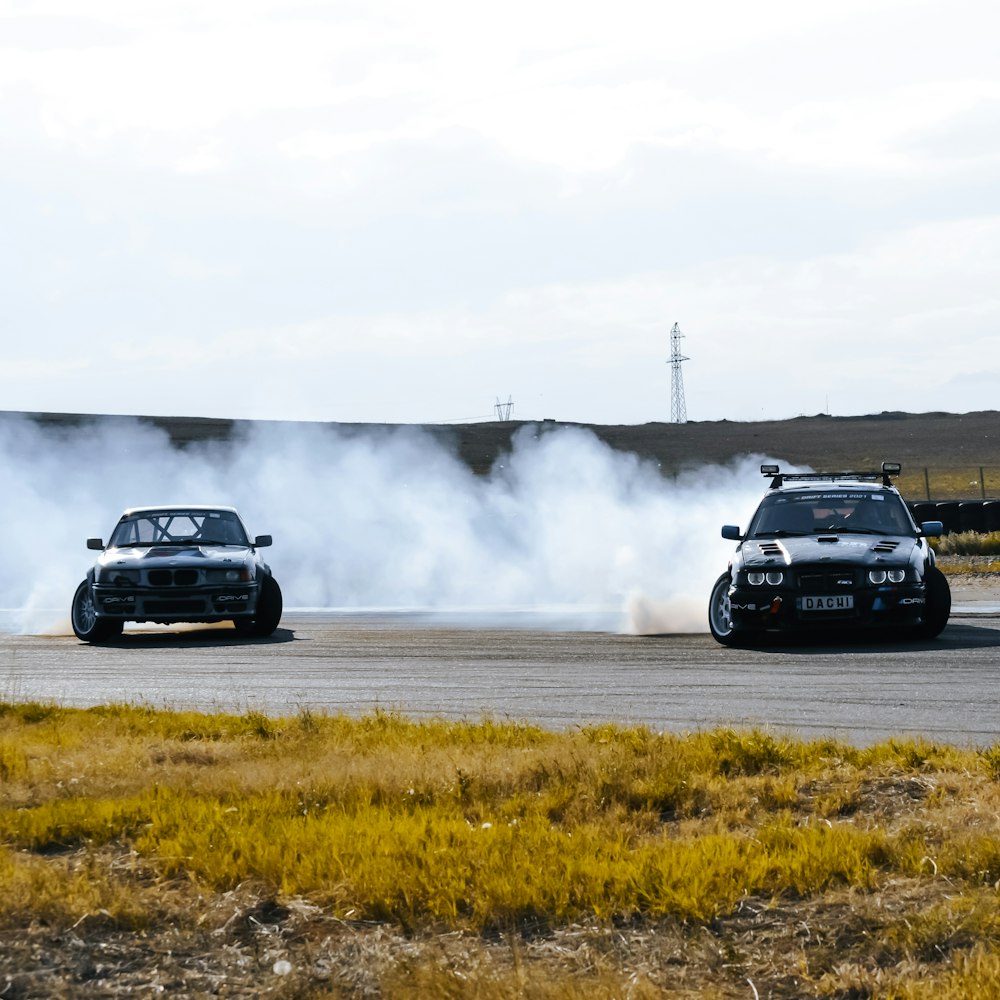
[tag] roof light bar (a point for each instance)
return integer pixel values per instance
(888, 470)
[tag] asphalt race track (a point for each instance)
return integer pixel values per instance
(859, 691)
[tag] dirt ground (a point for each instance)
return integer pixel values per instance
(965, 589)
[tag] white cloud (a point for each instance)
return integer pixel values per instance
(381, 210)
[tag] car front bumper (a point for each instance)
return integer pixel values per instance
(757, 608)
(165, 605)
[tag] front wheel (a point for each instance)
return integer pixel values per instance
(937, 610)
(269, 608)
(83, 615)
(720, 615)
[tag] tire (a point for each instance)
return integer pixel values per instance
(269, 607)
(938, 607)
(720, 621)
(83, 616)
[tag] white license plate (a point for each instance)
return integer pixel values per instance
(838, 602)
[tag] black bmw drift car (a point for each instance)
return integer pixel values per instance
(830, 550)
(177, 564)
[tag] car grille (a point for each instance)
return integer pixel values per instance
(173, 577)
(828, 580)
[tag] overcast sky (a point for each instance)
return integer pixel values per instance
(373, 210)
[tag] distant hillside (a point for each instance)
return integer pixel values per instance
(915, 439)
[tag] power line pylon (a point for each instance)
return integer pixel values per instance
(678, 408)
(503, 409)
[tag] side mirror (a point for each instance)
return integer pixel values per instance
(732, 532)
(262, 541)
(95, 543)
(932, 529)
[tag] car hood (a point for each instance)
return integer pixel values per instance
(835, 547)
(175, 555)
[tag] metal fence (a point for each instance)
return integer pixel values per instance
(960, 482)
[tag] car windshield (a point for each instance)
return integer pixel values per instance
(867, 513)
(180, 527)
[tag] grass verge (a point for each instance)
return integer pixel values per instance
(332, 857)
(968, 543)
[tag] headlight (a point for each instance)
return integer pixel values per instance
(755, 579)
(118, 577)
(877, 576)
(774, 578)
(242, 575)
(897, 575)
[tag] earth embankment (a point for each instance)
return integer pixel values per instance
(914, 439)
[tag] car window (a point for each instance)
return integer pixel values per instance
(878, 513)
(180, 527)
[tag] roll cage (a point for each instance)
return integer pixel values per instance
(179, 527)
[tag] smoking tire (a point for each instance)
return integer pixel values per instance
(938, 607)
(720, 620)
(86, 624)
(269, 608)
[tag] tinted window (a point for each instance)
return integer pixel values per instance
(879, 513)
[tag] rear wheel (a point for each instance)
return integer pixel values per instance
(937, 610)
(83, 615)
(269, 608)
(720, 616)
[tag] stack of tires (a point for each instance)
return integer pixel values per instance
(982, 516)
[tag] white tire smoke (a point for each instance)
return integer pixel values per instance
(563, 527)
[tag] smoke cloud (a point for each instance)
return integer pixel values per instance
(563, 528)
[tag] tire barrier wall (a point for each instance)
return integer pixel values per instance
(982, 516)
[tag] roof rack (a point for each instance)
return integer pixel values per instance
(888, 470)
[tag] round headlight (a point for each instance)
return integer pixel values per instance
(755, 579)
(774, 578)
(232, 575)
(877, 576)
(897, 575)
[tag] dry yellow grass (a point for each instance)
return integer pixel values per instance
(385, 857)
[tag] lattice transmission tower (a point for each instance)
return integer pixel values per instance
(678, 408)
(503, 409)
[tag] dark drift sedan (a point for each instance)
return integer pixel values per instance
(177, 564)
(826, 551)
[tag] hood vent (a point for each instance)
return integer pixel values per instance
(884, 548)
(771, 549)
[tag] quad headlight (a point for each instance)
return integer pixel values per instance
(880, 576)
(243, 574)
(116, 577)
(773, 578)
